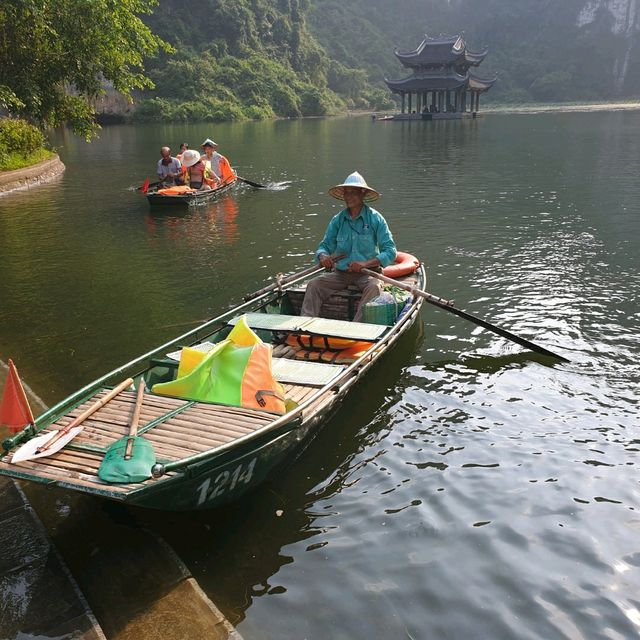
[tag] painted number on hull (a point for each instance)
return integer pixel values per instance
(225, 481)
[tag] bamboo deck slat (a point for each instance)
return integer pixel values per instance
(199, 428)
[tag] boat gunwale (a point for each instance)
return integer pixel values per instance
(395, 332)
(177, 468)
(292, 419)
(188, 199)
(78, 397)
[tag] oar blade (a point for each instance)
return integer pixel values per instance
(257, 185)
(29, 450)
(448, 306)
(116, 469)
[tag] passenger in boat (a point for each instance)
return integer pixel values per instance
(168, 167)
(218, 165)
(183, 147)
(362, 235)
(195, 169)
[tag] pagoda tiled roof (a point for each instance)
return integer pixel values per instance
(480, 84)
(443, 51)
(445, 81)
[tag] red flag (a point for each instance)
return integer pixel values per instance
(145, 186)
(15, 411)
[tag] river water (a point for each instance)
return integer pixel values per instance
(469, 489)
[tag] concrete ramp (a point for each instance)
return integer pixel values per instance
(38, 595)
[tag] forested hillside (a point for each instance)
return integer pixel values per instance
(542, 50)
(246, 58)
(260, 58)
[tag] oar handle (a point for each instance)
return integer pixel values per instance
(410, 288)
(447, 305)
(280, 280)
(135, 419)
(98, 404)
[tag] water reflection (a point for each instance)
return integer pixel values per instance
(215, 220)
(470, 489)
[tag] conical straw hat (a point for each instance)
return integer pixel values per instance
(354, 180)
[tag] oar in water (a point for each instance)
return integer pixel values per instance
(448, 306)
(257, 185)
(49, 443)
(129, 459)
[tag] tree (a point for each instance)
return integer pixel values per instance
(57, 55)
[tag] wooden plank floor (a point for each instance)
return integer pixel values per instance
(198, 428)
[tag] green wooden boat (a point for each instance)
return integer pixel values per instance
(209, 454)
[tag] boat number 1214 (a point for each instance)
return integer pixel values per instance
(225, 481)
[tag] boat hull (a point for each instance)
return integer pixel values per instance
(214, 475)
(188, 199)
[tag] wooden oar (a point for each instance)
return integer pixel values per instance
(281, 280)
(257, 185)
(49, 443)
(448, 306)
(133, 429)
(151, 184)
(129, 459)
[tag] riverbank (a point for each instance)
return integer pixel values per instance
(559, 107)
(51, 584)
(31, 176)
(38, 595)
(554, 107)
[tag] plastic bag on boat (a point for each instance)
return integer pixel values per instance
(381, 310)
(237, 372)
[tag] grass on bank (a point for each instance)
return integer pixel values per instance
(21, 144)
(16, 160)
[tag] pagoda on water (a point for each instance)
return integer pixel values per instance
(441, 85)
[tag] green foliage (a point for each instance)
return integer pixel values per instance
(55, 56)
(13, 161)
(209, 86)
(19, 141)
(537, 48)
(255, 56)
(19, 135)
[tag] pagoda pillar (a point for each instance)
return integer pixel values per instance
(409, 101)
(478, 101)
(433, 101)
(402, 94)
(418, 101)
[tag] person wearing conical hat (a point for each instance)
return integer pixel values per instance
(362, 235)
(218, 168)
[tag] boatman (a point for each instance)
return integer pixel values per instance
(359, 233)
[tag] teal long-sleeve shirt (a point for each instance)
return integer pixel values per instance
(365, 237)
